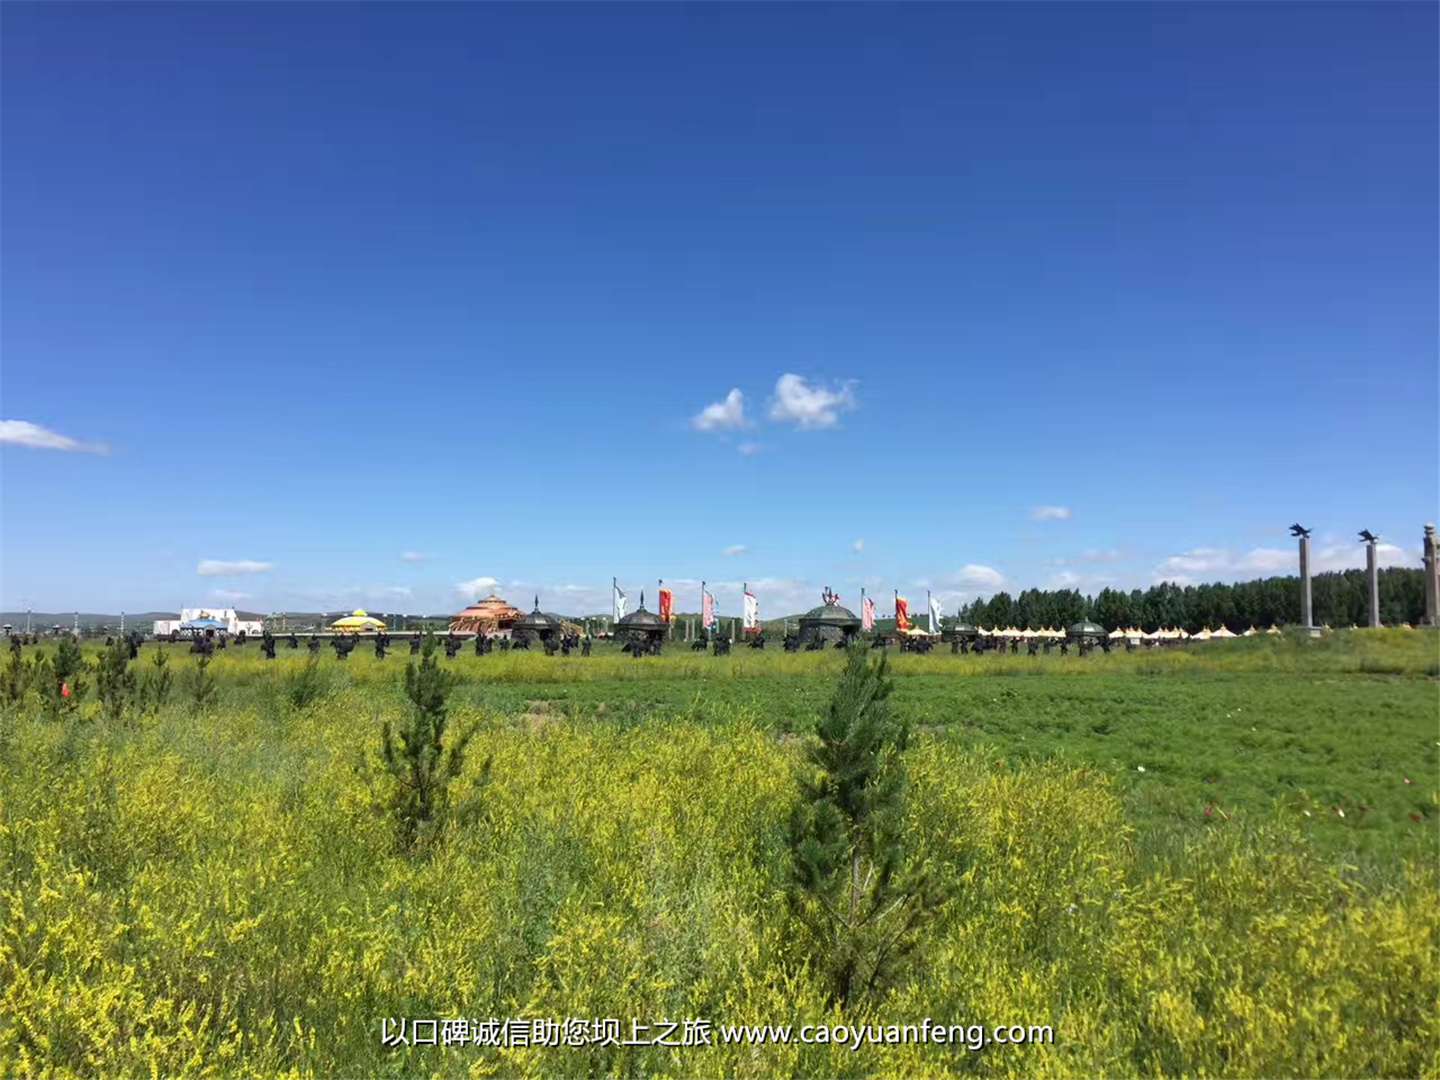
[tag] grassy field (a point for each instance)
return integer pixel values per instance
(216, 891)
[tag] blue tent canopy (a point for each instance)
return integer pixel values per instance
(203, 624)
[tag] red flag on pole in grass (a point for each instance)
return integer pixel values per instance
(667, 603)
(902, 612)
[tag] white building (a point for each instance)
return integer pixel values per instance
(233, 624)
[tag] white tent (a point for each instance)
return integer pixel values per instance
(1203, 635)
(1273, 630)
(1250, 633)
(1224, 632)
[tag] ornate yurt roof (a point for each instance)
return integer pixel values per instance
(830, 613)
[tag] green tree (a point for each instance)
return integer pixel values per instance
(421, 764)
(68, 688)
(114, 681)
(861, 906)
(202, 685)
(155, 689)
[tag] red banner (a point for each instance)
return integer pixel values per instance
(667, 604)
(902, 613)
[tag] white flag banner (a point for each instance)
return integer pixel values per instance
(618, 602)
(752, 613)
(935, 614)
(867, 614)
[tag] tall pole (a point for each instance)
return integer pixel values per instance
(122, 623)
(1372, 577)
(1432, 579)
(1307, 619)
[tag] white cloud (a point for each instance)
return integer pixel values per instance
(1049, 513)
(1271, 561)
(24, 433)
(735, 549)
(1217, 564)
(722, 415)
(475, 588)
(413, 556)
(858, 546)
(974, 576)
(810, 407)
(1352, 557)
(219, 567)
(230, 595)
(1065, 579)
(1195, 561)
(748, 448)
(1098, 555)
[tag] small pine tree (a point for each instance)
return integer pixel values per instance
(114, 681)
(850, 886)
(65, 669)
(308, 684)
(202, 685)
(421, 764)
(15, 679)
(156, 690)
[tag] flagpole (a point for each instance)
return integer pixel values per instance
(703, 628)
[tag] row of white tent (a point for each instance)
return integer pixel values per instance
(1132, 634)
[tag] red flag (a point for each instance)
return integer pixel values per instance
(667, 604)
(902, 613)
(64, 689)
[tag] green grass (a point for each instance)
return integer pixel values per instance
(218, 894)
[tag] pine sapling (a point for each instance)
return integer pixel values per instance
(420, 762)
(859, 901)
(202, 685)
(114, 681)
(65, 669)
(158, 680)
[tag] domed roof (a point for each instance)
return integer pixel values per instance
(830, 613)
(640, 619)
(538, 620)
(1086, 628)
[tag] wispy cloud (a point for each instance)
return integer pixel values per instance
(1049, 513)
(810, 406)
(735, 549)
(748, 448)
(223, 568)
(858, 546)
(230, 595)
(414, 556)
(722, 415)
(24, 433)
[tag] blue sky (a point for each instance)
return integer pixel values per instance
(464, 280)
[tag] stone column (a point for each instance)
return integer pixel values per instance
(1432, 579)
(1372, 577)
(1306, 608)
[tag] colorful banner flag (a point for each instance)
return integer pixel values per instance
(902, 613)
(617, 601)
(867, 614)
(752, 613)
(667, 604)
(707, 611)
(935, 615)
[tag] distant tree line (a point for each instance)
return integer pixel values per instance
(1340, 599)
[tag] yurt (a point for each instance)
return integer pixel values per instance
(358, 621)
(489, 616)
